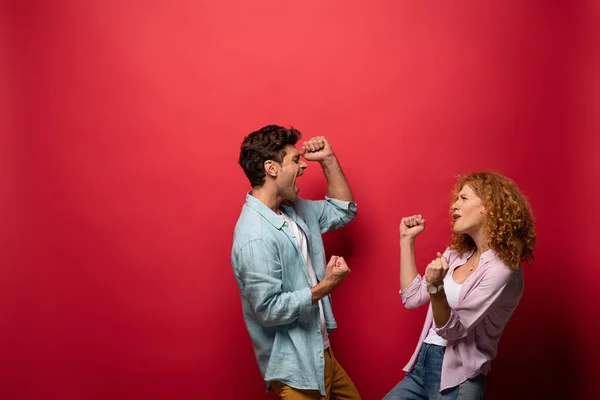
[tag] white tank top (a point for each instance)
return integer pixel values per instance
(452, 290)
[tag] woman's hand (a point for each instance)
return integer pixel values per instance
(411, 227)
(436, 270)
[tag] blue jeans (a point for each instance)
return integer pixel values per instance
(423, 382)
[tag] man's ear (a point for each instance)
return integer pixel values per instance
(271, 168)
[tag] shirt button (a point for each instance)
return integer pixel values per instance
(321, 355)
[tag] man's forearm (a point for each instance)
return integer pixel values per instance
(323, 288)
(337, 185)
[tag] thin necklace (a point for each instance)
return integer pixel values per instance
(473, 265)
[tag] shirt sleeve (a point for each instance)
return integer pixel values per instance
(260, 273)
(476, 304)
(415, 295)
(332, 213)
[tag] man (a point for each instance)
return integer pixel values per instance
(279, 264)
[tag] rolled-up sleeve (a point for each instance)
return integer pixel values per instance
(260, 273)
(474, 307)
(334, 213)
(415, 295)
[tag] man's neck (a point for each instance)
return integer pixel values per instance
(268, 197)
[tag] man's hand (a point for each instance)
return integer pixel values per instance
(337, 269)
(436, 270)
(316, 149)
(335, 272)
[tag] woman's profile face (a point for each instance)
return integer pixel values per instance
(468, 212)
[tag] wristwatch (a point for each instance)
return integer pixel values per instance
(433, 289)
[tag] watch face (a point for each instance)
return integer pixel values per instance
(432, 289)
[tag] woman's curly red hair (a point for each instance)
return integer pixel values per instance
(509, 220)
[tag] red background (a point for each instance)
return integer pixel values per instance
(121, 124)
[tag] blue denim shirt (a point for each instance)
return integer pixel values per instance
(274, 284)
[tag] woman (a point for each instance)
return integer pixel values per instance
(473, 288)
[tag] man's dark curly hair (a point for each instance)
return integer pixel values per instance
(267, 143)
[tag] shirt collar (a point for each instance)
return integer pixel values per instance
(486, 256)
(268, 214)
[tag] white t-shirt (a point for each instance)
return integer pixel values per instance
(303, 245)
